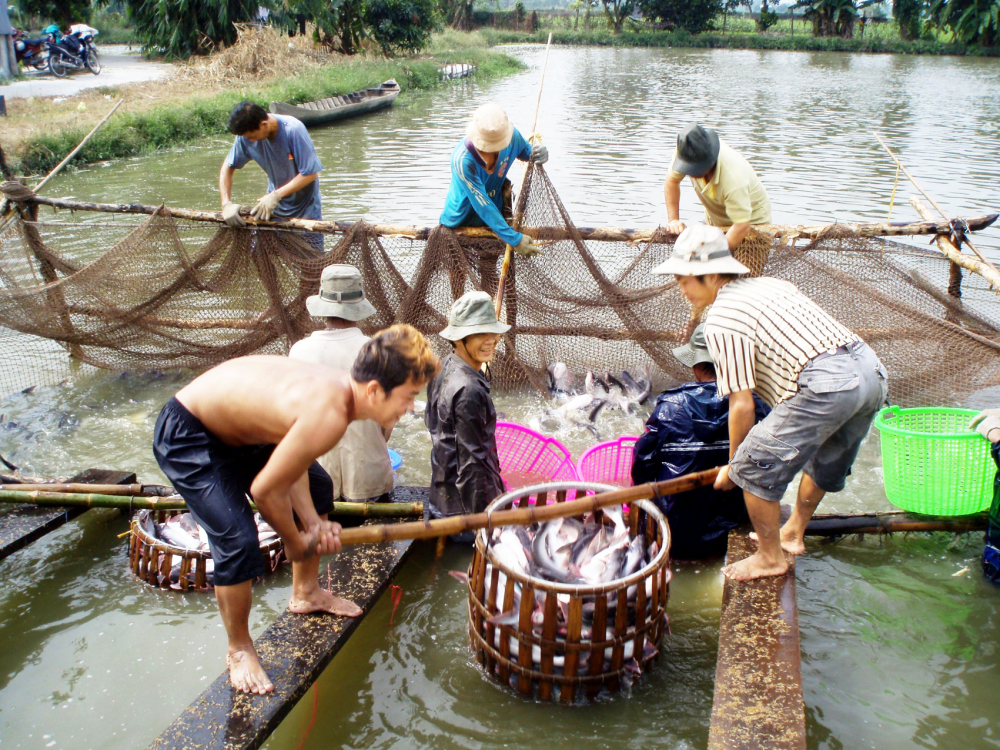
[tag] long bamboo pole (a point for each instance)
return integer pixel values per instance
(518, 219)
(930, 199)
(952, 253)
(146, 502)
(523, 516)
(134, 490)
(597, 234)
(885, 523)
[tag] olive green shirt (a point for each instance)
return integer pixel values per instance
(734, 194)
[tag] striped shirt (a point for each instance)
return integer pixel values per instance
(761, 333)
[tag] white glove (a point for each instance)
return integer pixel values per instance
(231, 214)
(526, 247)
(985, 422)
(265, 206)
(539, 154)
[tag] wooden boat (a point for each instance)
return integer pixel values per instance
(338, 107)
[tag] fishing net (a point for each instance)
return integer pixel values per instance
(167, 295)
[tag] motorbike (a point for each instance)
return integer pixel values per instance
(74, 51)
(31, 52)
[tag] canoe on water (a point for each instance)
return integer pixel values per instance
(338, 107)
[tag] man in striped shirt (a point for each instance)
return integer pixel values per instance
(823, 383)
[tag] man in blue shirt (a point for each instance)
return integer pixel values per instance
(284, 150)
(479, 166)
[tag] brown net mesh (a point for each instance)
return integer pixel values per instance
(168, 296)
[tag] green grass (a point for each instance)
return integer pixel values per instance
(802, 40)
(129, 134)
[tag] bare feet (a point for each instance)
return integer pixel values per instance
(323, 601)
(246, 672)
(791, 542)
(754, 566)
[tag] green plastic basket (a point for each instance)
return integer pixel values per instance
(933, 463)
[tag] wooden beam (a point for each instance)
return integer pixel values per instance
(758, 699)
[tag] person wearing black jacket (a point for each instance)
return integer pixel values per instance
(465, 467)
(987, 424)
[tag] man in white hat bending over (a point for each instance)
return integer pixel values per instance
(823, 383)
(465, 466)
(359, 464)
(480, 190)
(725, 183)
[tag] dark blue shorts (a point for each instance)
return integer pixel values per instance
(214, 479)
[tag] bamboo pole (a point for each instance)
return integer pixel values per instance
(518, 219)
(896, 521)
(88, 489)
(596, 234)
(930, 199)
(952, 253)
(524, 515)
(175, 502)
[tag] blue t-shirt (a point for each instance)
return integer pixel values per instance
(288, 154)
(474, 190)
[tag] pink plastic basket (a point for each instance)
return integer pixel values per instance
(527, 457)
(609, 463)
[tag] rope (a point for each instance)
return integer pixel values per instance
(395, 594)
(892, 197)
(312, 721)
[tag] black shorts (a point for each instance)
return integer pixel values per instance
(214, 479)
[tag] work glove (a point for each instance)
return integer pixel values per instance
(539, 154)
(265, 206)
(985, 421)
(526, 247)
(231, 214)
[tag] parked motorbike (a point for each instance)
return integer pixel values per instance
(74, 51)
(32, 52)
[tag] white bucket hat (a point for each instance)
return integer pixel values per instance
(341, 295)
(470, 314)
(694, 351)
(489, 129)
(700, 250)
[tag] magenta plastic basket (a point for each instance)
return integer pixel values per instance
(608, 463)
(527, 457)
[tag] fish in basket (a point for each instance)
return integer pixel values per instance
(574, 604)
(167, 549)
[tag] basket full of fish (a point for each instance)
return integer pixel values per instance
(571, 605)
(168, 549)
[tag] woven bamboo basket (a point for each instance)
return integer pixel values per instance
(151, 559)
(632, 642)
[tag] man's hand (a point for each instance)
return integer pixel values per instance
(539, 154)
(676, 226)
(265, 206)
(723, 482)
(526, 247)
(231, 214)
(987, 424)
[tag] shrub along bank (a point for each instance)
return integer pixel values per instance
(802, 42)
(194, 116)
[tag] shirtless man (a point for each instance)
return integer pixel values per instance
(252, 428)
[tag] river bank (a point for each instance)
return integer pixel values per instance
(194, 100)
(801, 42)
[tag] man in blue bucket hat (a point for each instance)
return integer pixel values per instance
(987, 424)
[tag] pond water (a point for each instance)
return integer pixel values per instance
(896, 652)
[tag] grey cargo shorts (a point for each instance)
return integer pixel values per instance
(818, 430)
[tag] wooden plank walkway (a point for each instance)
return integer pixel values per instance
(23, 524)
(758, 679)
(295, 650)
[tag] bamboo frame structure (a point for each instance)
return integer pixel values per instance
(955, 255)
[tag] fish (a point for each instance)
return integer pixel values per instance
(510, 617)
(559, 379)
(544, 553)
(605, 566)
(459, 575)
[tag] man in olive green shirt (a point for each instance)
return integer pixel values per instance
(724, 181)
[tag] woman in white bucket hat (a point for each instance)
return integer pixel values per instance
(465, 467)
(822, 382)
(480, 191)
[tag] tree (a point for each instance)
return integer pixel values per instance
(617, 11)
(733, 6)
(765, 18)
(971, 21)
(182, 29)
(63, 13)
(833, 17)
(400, 25)
(908, 16)
(692, 15)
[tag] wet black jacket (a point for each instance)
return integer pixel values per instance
(465, 467)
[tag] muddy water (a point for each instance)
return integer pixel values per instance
(896, 652)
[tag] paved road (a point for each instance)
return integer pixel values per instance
(118, 68)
